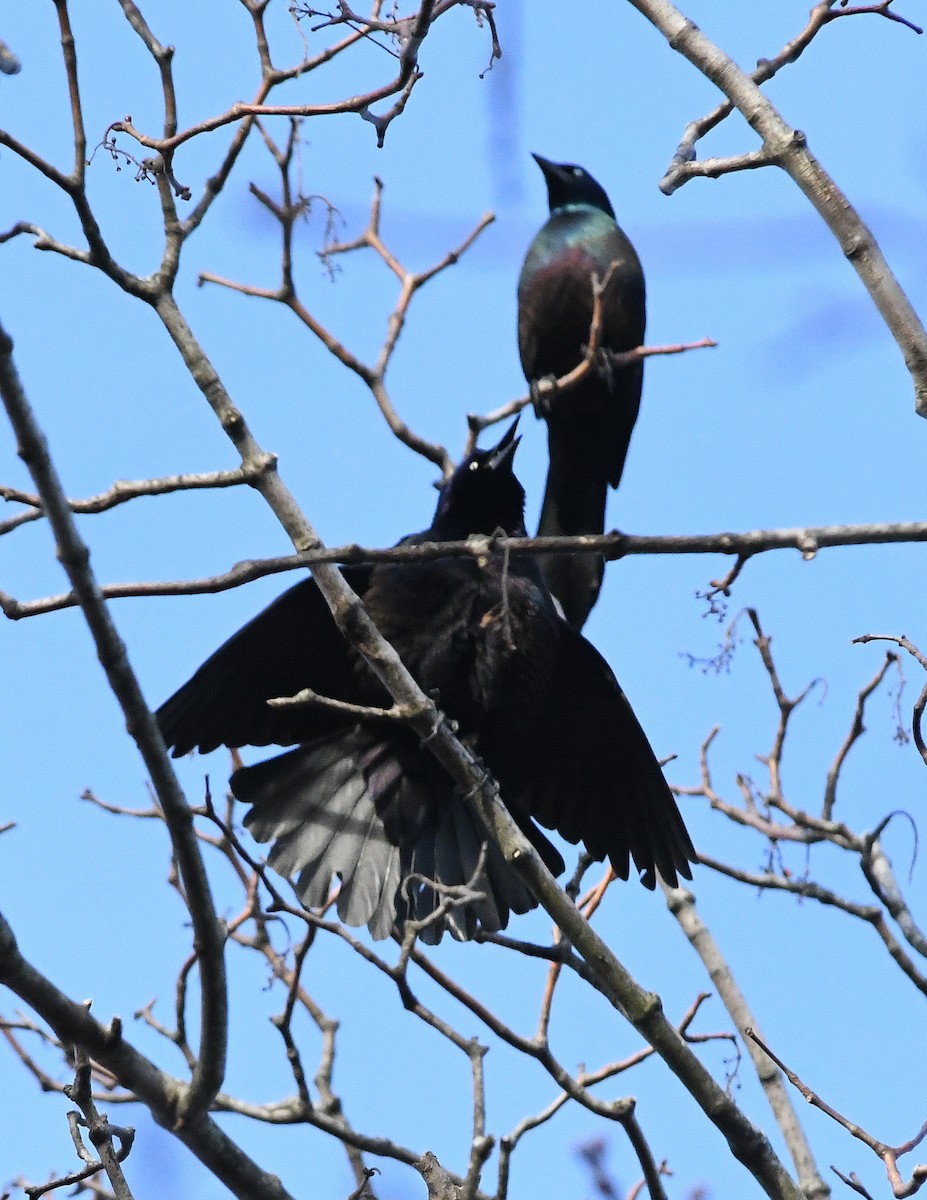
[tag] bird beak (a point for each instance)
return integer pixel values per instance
(551, 170)
(503, 453)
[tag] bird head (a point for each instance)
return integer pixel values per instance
(568, 184)
(483, 494)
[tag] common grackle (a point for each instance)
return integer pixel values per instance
(588, 427)
(362, 799)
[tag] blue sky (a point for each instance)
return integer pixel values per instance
(803, 415)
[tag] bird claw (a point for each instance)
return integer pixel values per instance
(610, 363)
(607, 366)
(543, 392)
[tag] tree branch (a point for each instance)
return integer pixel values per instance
(161, 1092)
(787, 148)
(612, 546)
(209, 936)
(681, 903)
(888, 1154)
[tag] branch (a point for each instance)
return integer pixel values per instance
(683, 164)
(295, 205)
(921, 701)
(412, 29)
(161, 1092)
(643, 1009)
(888, 1154)
(681, 903)
(808, 829)
(545, 389)
(857, 729)
(209, 936)
(624, 1113)
(43, 240)
(101, 1135)
(881, 878)
(536, 1047)
(123, 490)
(328, 1115)
(612, 546)
(787, 148)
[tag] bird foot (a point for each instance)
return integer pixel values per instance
(543, 392)
(610, 363)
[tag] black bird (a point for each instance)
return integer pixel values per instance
(588, 427)
(362, 799)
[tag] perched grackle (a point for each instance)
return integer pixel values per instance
(588, 427)
(362, 799)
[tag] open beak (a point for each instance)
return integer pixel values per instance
(504, 451)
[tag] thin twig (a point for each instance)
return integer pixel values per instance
(921, 702)
(888, 1154)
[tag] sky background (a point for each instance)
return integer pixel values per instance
(803, 415)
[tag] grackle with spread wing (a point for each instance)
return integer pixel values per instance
(363, 800)
(588, 427)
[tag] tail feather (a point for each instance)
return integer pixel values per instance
(450, 856)
(457, 855)
(315, 812)
(490, 880)
(322, 849)
(314, 804)
(574, 503)
(370, 898)
(366, 810)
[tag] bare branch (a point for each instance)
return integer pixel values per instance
(123, 490)
(871, 914)
(412, 31)
(209, 936)
(612, 546)
(881, 878)
(292, 207)
(101, 1135)
(683, 163)
(921, 701)
(74, 1025)
(888, 1154)
(857, 729)
(787, 148)
(681, 903)
(544, 390)
(43, 240)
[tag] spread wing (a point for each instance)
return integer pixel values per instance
(594, 777)
(294, 643)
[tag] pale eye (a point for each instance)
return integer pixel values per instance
(474, 466)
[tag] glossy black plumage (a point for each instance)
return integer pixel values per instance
(363, 800)
(589, 427)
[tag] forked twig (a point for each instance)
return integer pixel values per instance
(888, 1154)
